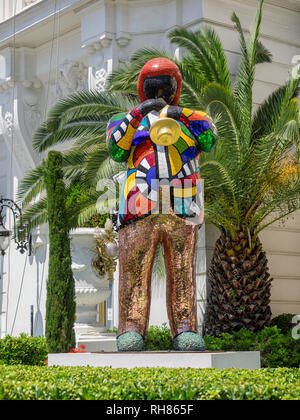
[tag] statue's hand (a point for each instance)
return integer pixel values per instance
(152, 105)
(174, 112)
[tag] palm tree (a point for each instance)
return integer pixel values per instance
(251, 177)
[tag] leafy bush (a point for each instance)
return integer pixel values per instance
(158, 338)
(90, 383)
(283, 322)
(276, 349)
(76, 195)
(24, 350)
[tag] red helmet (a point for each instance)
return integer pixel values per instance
(159, 67)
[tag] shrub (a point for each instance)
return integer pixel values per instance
(60, 303)
(158, 338)
(90, 383)
(76, 196)
(283, 322)
(24, 350)
(276, 349)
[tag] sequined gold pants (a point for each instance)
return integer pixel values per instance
(137, 246)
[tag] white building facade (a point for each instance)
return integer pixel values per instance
(52, 48)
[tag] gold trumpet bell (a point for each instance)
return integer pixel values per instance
(165, 131)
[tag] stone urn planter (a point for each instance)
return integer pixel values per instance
(91, 288)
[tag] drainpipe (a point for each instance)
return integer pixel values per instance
(2, 295)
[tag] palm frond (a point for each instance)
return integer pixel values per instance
(31, 185)
(99, 165)
(214, 214)
(243, 44)
(96, 202)
(246, 72)
(269, 111)
(207, 50)
(193, 83)
(158, 265)
(35, 214)
(83, 114)
(148, 53)
(219, 101)
(74, 160)
(283, 203)
(125, 77)
(269, 151)
(229, 185)
(263, 55)
(74, 131)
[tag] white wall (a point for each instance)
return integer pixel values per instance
(4, 160)
(282, 245)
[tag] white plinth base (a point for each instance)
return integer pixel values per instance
(220, 360)
(98, 343)
(95, 329)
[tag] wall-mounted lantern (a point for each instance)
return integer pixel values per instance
(24, 243)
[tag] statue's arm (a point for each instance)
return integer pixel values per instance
(120, 132)
(199, 124)
(122, 128)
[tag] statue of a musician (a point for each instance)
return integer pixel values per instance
(160, 204)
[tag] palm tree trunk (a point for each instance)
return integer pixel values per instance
(239, 286)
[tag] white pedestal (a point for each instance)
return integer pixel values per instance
(172, 359)
(97, 342)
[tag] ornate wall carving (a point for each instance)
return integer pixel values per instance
(32, 112)
(20, 112)
(71, 76)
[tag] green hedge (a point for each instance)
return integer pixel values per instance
(24, 350)
(70, 383)
(277, 349)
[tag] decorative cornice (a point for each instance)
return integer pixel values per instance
(94, 45)
(123, 39)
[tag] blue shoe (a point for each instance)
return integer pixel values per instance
(130, 341)
(189, 341)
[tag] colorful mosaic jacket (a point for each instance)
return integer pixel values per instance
(151, 167)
